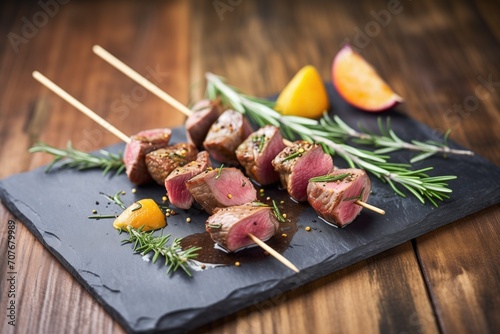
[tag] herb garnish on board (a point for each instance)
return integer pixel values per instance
(175, 256)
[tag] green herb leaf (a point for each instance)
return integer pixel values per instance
(277, 213)
(219, 172)
(97, 217)
(116, 199)
(293, 156)
(329, 178)
(355, 198)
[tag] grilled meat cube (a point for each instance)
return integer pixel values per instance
(221, 188)
(298, 163)
(205, 113)
(256, 153)
(225, 135)
(162, 162)
(335, 201)
(136, 150)
(229, 227)
(175, 183)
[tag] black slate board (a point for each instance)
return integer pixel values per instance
(142, 298)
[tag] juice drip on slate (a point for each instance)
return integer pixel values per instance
(279, 242)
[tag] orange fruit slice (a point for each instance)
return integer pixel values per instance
(359, 84)
(144, 213)
(305, 95)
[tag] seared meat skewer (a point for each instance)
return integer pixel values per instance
(229, 227)
(334, 196)
(298, 163)
(205, 113)
(136, 150)
(225, 135)
(256, 153)
(175, 183)
(160, 163)
(221, 187)
(237, 227)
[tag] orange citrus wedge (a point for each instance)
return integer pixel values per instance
(144, 213)
(305, 95)
(359, 84)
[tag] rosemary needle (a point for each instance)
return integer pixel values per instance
(116, 199)
(277, 213)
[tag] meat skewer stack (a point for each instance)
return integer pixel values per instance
(139, 147)
(228, 138)
(292, 176)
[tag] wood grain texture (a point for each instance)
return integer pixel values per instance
(49, 300)
(441, 56)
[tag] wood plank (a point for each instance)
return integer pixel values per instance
(458, 55)
(384, 294)
(49, 300)
(460, 263)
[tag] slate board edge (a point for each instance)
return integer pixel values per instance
(229, 306)
(32, 228)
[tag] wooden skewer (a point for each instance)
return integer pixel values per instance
(370, 207)
(274, 253)
(80, 106)
(125, 69)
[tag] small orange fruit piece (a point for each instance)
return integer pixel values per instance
(144, 213)
(305, 95)
(359, 84)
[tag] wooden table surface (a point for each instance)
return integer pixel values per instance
(442, 56)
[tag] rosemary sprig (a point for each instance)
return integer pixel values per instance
(399, 176)
(73, 158)
(175, 256)
(387, 141)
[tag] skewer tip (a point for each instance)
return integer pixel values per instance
(370, 207)
(274, 253)
(96, 48)
(36, 74)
